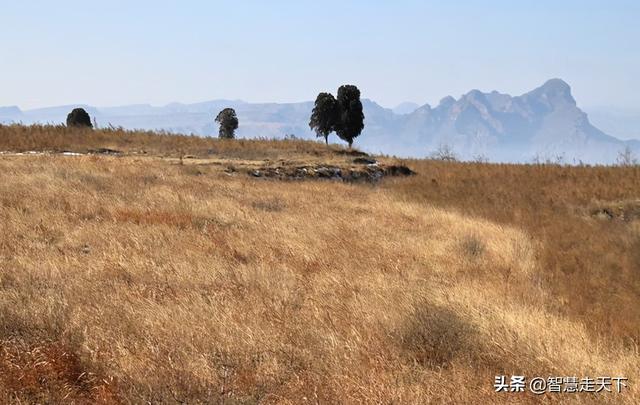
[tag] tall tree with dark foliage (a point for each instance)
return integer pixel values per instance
(351, 122)
(324, 115)
(228, 121)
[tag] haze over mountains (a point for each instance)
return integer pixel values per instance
(544, 124)
(623, 123)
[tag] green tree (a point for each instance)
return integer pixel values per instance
(351, 117)
(324, 115)
(78, 117)
(228, 123)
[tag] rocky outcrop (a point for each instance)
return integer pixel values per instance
(369, 173)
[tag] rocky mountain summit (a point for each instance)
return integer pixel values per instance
(544, 123)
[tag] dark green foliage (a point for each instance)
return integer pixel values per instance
(351, 122)
(79, 118)
(343, 115)
(228, 123)
(324, 115)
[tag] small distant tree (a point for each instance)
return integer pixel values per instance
(481, 158)
(78, 117)
(444, 153)
(351, 120)
(627, 157)
(228, 123)
(324, 116)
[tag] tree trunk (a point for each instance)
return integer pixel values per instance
(326, 139)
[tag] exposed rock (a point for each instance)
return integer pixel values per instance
(105, 151)
(328, 172)
(369, 173)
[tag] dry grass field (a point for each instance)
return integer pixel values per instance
(144, 278)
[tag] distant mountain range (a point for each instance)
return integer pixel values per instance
(543, 124)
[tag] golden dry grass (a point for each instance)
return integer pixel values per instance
(134, 279)
(19, 138)
(590, 265)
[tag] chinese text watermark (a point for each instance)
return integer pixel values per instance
(540, 385)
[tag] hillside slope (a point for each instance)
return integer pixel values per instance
(137, 278)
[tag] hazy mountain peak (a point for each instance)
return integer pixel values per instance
(405, 108)
(447, 101)
(10, 110)
(475, 96)
(474, 93)
(553, 92)
(557, 85)
(10, 114)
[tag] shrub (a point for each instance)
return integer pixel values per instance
(79, 118)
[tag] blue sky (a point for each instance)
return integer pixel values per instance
(123, 52)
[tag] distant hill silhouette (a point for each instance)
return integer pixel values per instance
(544, 123)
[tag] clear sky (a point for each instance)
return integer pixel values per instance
(122, 52)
